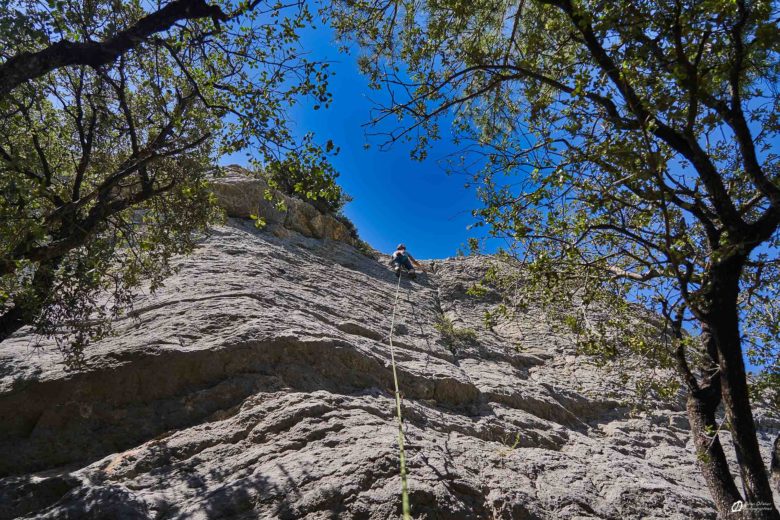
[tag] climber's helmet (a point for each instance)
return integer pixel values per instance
(401, 247)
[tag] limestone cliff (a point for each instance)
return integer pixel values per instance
(257, 384)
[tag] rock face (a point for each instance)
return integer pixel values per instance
(257, 384)
(243, 195)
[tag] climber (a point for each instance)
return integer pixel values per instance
(403, 259)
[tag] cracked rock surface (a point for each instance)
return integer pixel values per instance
(257, 384)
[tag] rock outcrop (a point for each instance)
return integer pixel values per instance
(243, 195)
(257, 384)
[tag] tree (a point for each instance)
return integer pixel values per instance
(308, 175)
(642, 137)
(111, 116)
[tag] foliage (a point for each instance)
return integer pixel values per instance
(478, 290)
(640, 143)
(454, 337)
(474, 247)
(509, 448)
(308, 175)
(604, 196)
(361, 245)
(104, 157)
(353, 232)
(625, 339)
(366, 250)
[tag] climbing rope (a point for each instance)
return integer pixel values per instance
(404, 488)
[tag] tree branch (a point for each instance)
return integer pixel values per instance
(30, 65)
(688, 148)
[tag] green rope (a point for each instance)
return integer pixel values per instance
(404, 488)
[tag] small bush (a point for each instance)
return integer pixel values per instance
(455, 337)
(308, 175)
(353, 232)
(366, 249)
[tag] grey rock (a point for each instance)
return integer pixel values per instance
(242, 195)
(257, 384)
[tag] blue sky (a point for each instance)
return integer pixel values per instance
(396, 199)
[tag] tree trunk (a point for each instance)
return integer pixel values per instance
(10, 322)
(25, 312)
(701, 406)
(775, 465)
(723, 321)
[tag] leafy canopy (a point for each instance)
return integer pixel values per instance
(628, 152)
(104, 162)
(626, 149)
